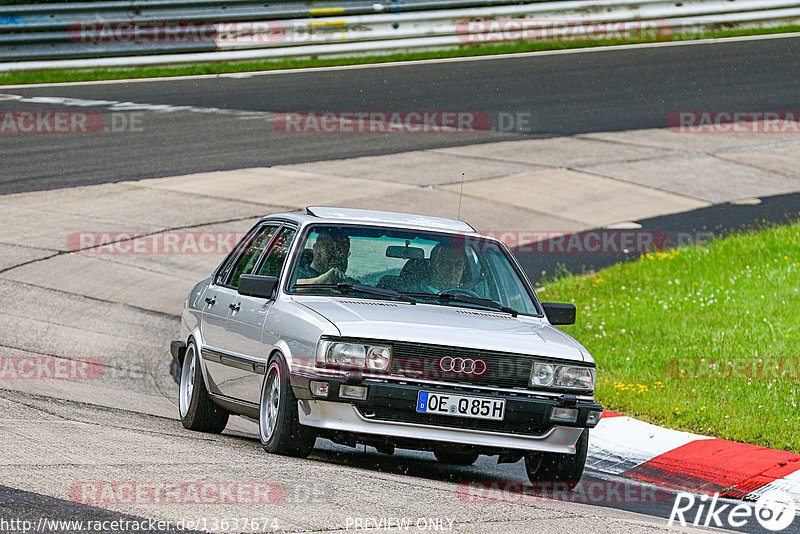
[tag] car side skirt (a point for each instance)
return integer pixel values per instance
(234, 406)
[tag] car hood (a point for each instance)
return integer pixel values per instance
(444, 325)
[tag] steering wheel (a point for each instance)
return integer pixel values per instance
(461, 291)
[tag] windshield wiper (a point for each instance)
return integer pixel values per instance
(469, 300)
(360, 287)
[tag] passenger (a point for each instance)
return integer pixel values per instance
(443, 270)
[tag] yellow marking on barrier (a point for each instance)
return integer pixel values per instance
(326, 11)
(328, 23)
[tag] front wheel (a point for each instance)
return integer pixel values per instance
(197, 410)
(279, 427)
(553, 467)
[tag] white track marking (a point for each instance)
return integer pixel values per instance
(116, 105)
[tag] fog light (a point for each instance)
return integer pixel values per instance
(594, 418)
(319, 389)
(564, 415)
(346, 391)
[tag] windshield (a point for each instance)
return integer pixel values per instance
(424, 264)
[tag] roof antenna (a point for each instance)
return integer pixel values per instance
(460, 195)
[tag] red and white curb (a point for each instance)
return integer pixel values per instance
(624, 446)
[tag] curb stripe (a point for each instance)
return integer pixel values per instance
(627, 447)
(716, 465)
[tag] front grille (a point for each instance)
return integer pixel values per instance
(422, 361)
(521, 427)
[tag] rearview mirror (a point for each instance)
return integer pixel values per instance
(407, 253)
(252, 285)
(558, 313)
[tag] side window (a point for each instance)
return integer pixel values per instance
(273, 262)
(249, 256)
(509, 283)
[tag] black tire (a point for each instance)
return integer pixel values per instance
(279, 427)
(197, 410)
(552, 467)
(456, 457)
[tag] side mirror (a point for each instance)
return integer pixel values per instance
(558, 313)
(252, 285)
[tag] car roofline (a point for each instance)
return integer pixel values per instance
(376, 219)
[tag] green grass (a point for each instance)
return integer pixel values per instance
(54, 76)
(649, 323)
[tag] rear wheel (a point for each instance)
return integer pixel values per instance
(197, 410)
(552, 467)
(279, 427)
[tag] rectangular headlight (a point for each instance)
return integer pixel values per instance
(553, 375)
(351, 355)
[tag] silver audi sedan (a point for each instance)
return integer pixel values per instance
(389, 330)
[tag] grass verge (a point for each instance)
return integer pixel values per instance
(690, 338)
(55, 76)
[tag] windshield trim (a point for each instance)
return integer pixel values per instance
(306, 229)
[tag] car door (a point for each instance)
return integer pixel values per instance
(219, 304)
(245, 325)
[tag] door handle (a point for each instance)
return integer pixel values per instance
(211, 300)
(235, 307)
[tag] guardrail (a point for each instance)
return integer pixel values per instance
(116, 34)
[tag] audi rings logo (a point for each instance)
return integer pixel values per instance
(463, 365)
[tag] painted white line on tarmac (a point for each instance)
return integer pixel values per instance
(117, 105)
(390, 64)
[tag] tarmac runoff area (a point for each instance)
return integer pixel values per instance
(114, 416)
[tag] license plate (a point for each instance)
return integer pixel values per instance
(461, 406)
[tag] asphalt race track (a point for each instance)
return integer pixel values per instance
(60, 438)
(564, 94)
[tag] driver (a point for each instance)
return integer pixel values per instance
(329, 263)
(446, 268)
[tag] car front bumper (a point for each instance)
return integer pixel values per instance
(390, 410)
